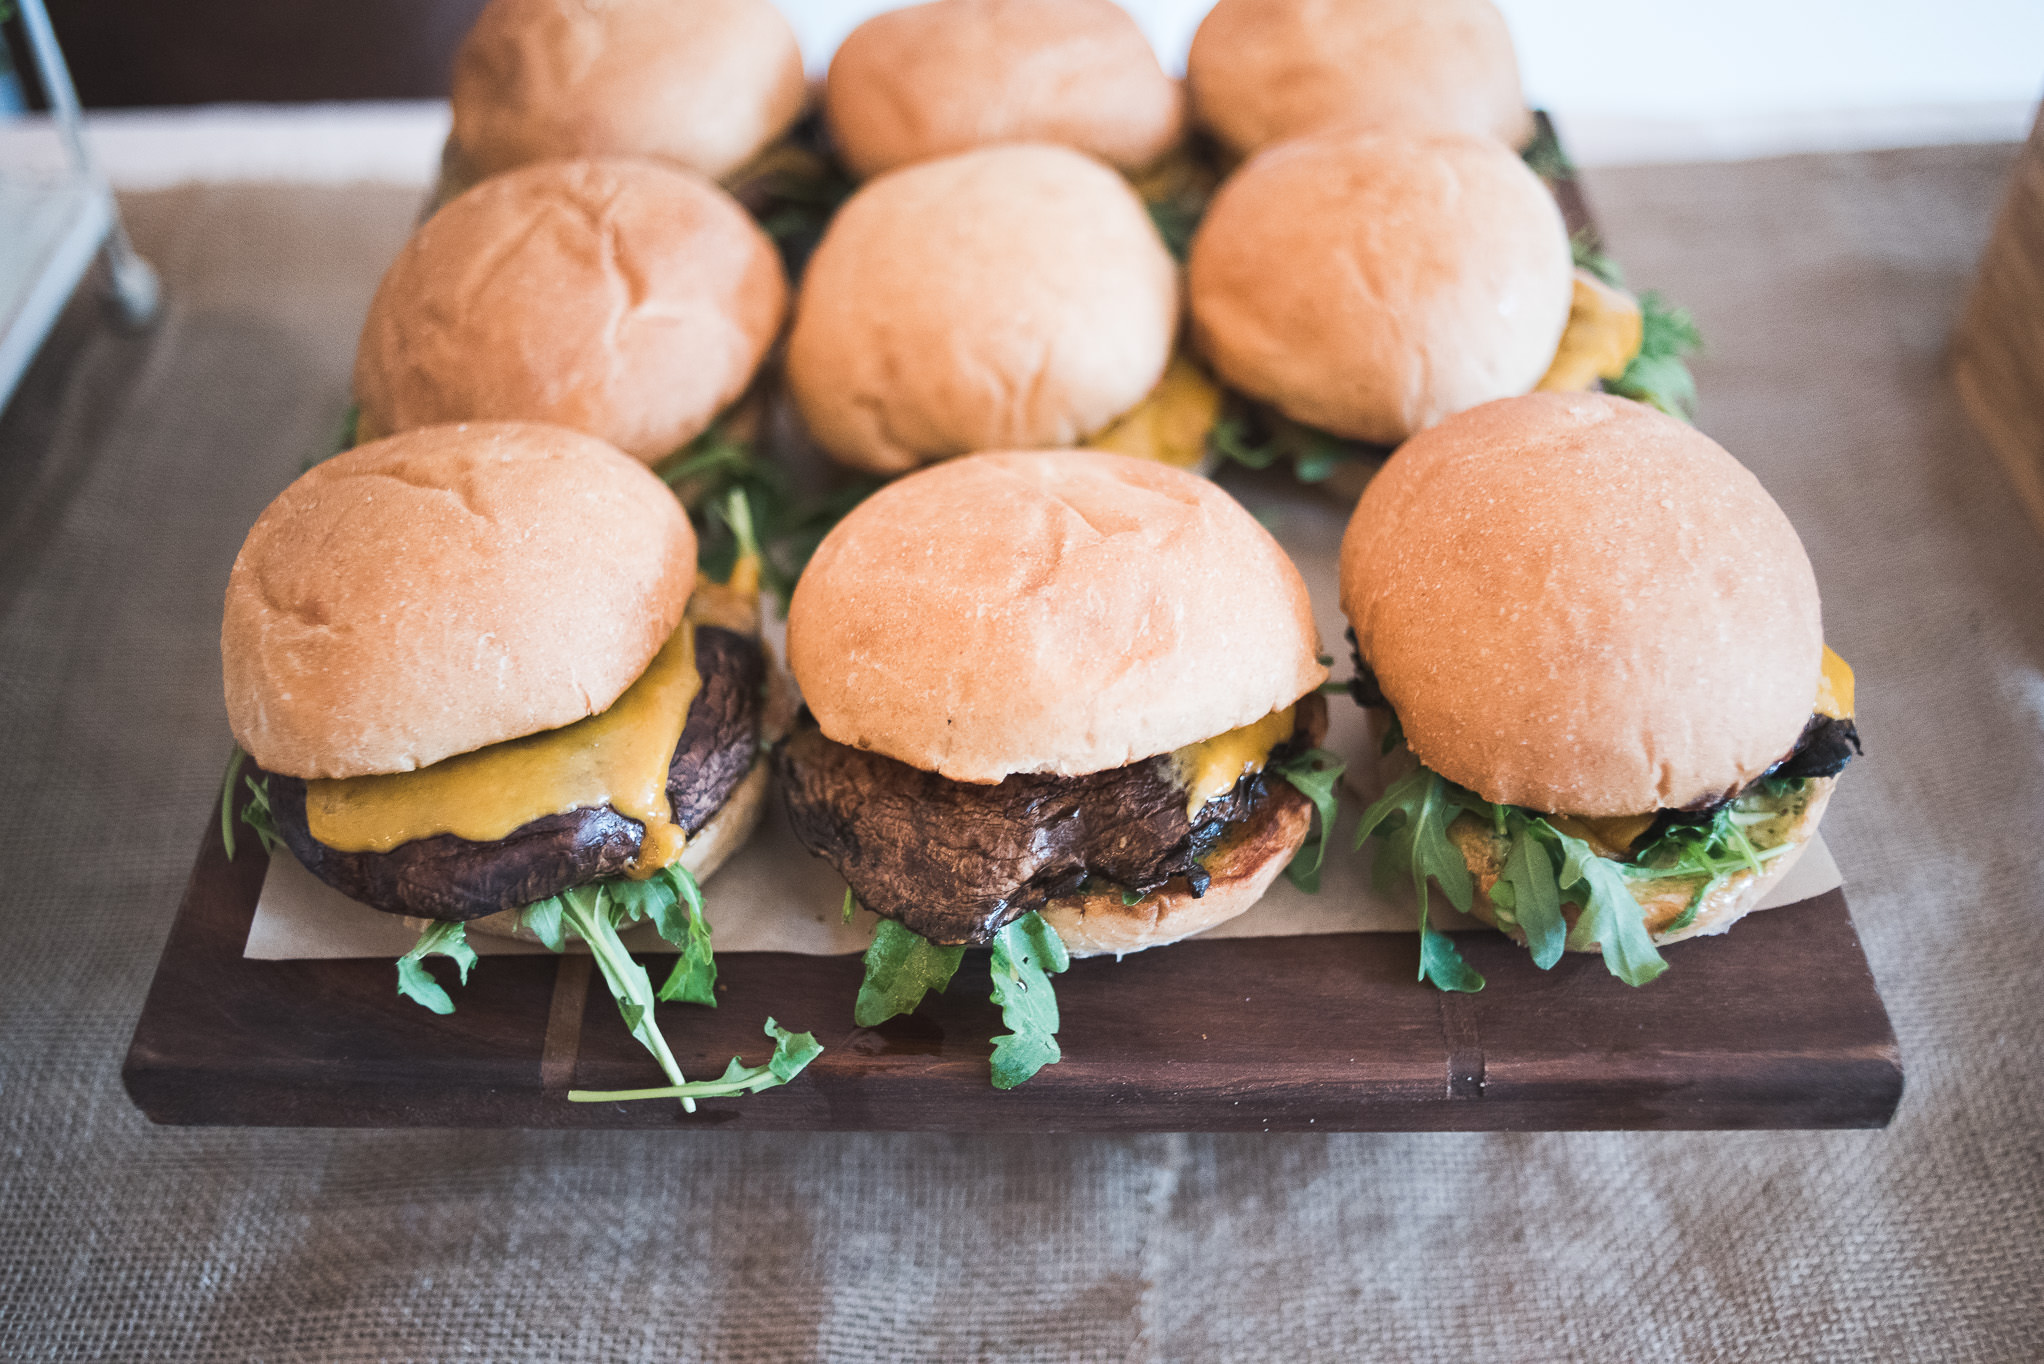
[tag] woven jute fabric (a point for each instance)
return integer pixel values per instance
(129, 469)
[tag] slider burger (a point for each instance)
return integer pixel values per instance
(1592, 644)
(705, 85)
(1008, 297)
(482, 685)
(931, 79)
(711, 86)
(623, 298)
(1424, 273)
(1261, 71)
(1060, 702)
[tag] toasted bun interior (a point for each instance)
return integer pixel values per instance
(1578, 604)
(1264, 70)
(1243, 865)
(1423, 274)
(1009, 297)
(1057, 611)
(931, 79)
(623, 298)
(445, 589)
(702, 83)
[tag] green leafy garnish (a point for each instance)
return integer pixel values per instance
(1026, 953)
(255, 813)
(1316, 774)
(1412, 817)
(1261, 443)
(227, 785)
(1544, 154)
(792, 1052)
(1711, 852)
(1659, 374)
(851, 903)
(783, 527)
(901, 967)
(1543, 869)
(415, 983)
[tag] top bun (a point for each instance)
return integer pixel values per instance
(1264, 70)
(1064, 611)
(1001, 298)
(623, 298)
(936, 78)
(1580, 605)
(1424, 273)
(446, 589)
(703, 83)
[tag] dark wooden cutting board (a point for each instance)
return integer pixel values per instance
(1776, 1024)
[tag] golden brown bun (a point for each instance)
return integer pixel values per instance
(702, 83)
(1243, 865)
(623, 298)
(445, 589)
(1664, 901)
(1060, 611)
(1423, 274)
(1264, 70)
(1008, 297)
(1577, 604)
(931, 79)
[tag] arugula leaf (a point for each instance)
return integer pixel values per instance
(227, 785)
(1026, 952)
(440, 939)
(1659, 375)
(593, 914)
(901, 967)
(544, 918)
(256, 814)
(792, 1052)
(1259, 438)
(1544, 154)
(1610, 916)
(694, 978)
(850, 904)
(1412, 818)
(1315, 774)
(1526, 893)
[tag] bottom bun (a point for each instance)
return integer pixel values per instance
(1663, 901)
(1242, 866)
(709, 848)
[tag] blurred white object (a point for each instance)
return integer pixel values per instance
(1627, 82)
(53, 221)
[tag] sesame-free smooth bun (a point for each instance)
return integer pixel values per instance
(623, 298)
(1264, 70)
(1423, 274)
(1065, 611)
(931, 79)
(1581, 605)
(446, 589)
(1003, 298)
(703, 83)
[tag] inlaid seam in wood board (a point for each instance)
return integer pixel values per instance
(564, 1023)
(1463, 1043)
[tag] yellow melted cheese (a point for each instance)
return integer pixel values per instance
(1212, 767)
(1603, 334)
(618, 758)
(1834, 687)
(1171, 425)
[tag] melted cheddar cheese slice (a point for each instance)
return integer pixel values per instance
(1212, 767)
(618, 758)
(1834, 687)
(1604, 330)
(1171, 425)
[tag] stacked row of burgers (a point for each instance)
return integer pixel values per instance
(499, 664)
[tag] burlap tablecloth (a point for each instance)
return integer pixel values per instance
(129, 470)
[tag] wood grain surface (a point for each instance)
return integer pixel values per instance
(1777, 1024)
